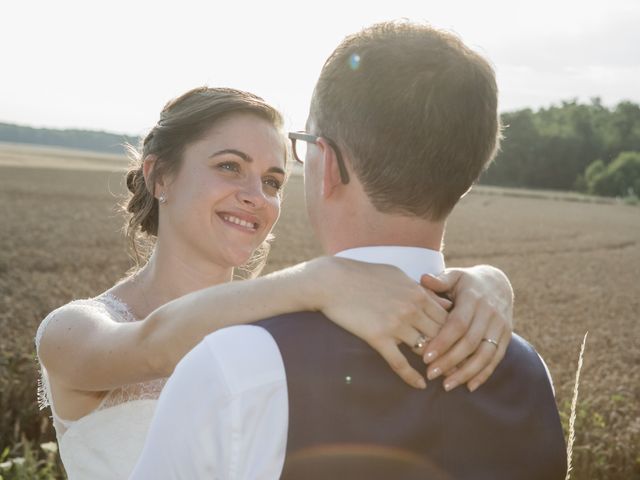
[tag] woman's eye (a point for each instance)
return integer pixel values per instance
(229, 166)
(273, 184)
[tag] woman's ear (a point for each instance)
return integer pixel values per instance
(148, 165)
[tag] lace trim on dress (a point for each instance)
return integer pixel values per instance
(136, 391)
(118, 311)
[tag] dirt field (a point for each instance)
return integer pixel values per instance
(574, 266)
(33, 156)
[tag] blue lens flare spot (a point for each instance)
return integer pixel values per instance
(354, 61)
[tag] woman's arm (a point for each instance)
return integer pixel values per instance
(89, 352)
(377, 303)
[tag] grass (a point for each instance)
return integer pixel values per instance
(30, 462)
(572, 416)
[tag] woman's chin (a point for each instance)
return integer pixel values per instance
(238, 258)
(232, 255)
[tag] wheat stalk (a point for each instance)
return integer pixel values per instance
(574, 404)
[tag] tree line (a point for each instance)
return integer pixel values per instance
(77, 139)
(583, 147)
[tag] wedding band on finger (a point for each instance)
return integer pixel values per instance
(420, 342)
(491, 341)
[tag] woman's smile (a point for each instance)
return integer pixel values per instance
(243, 222)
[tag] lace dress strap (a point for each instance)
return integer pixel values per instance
(118, 311)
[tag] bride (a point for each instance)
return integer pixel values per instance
(206, 188)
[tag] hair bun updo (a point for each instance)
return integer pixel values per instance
(133, 177)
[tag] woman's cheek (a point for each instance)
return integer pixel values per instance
(276, 210)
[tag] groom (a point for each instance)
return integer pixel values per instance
(403, 120)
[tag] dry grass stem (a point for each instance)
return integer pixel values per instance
(574, 404)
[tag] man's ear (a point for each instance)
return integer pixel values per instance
(331, 172)
(148, 165)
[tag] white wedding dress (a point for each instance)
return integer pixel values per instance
(106, 443)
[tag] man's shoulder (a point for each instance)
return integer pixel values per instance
(313, 329)
(301, 319)
(520, 347)
(246, 357)
(303, 323)
(528, 364)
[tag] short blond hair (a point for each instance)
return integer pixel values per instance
(417, 112)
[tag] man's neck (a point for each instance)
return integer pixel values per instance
(392, 230)
(344, 217)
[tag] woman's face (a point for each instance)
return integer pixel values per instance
(225, 199)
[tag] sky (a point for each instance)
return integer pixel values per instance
(112, 65)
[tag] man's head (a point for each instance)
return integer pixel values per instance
(413, 112)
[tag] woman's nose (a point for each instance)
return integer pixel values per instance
(252, 194)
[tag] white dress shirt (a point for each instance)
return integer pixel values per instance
(223, 413)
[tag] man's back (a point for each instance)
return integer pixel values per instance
(350, 416)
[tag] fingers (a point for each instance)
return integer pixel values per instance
(425, 326)
(425, 322)
(483, 356)
(413, 337)
(400, 365)
(437, 307)
(465, 347)
(484, 375)
(442, 302)
(442, 283)
(455, 327)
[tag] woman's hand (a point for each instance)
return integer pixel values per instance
(381, 305)
(478, 329)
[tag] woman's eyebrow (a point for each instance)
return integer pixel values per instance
(240, 154)
(246, 158)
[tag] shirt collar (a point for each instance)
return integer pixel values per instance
(413, 261)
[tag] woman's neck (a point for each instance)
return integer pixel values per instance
(167, 276)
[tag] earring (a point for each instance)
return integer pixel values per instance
(162, 198)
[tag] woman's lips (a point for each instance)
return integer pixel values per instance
(241, 221)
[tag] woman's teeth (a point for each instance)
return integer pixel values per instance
(238, 221)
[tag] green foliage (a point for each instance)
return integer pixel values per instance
(632, 199)
(594, 170)
(26, 462)
(552, 148)
(620, 178)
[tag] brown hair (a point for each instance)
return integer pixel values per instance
(415, 109)
(183, 121)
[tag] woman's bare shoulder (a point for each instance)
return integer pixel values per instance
(78, 314)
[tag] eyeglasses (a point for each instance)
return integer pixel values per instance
(300, 150)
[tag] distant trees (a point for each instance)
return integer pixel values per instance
(571, 146)
(80, 139)
(557, 148)
(620, 178)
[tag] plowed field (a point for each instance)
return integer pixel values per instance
(574, 266)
